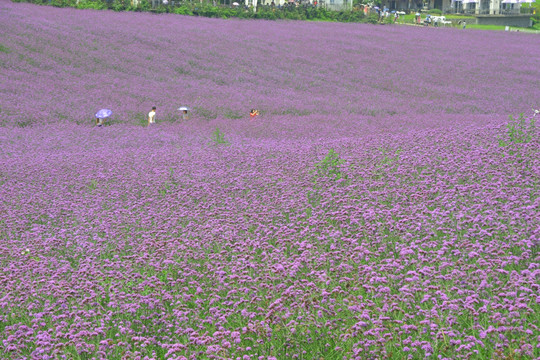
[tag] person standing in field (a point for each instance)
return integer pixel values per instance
(152, 116)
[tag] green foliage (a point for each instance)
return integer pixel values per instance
(330, 166)
(144, 5)
(207, 114)
(63, 3)
(390, 156)
(120, 5)
(183, 10)
(219, 138)
(90, 4)
(518, 131)
(533, 9)
(4, 49)
(207, 9)
(232, 114)
(350, 16)
(372, 19)
(93, 185)
(141, 119)
(110, 121)
(24, 123)
(388, 20)
(436, 12)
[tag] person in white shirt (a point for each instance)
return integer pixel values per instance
(152, 116)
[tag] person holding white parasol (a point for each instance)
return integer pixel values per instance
(101, 115)
(184, 110)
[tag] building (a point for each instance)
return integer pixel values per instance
(487, 12)
(473, 7)
(335, 5)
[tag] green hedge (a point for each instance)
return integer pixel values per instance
(220, 11)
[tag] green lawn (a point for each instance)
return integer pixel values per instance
(471, 20)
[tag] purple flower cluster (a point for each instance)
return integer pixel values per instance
(124, 242)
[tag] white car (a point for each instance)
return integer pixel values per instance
(441, 20)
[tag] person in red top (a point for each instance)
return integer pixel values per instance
(253, 113)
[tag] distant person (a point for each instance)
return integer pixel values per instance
(101, 115)
(253, 113)
(152, 116)
(184, 110)
(464, 24)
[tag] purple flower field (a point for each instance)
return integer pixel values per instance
(378, 208)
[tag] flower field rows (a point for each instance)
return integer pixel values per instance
(288, 70)
(377, 208)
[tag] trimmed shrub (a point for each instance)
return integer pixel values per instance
(372, 19)
(90, 4)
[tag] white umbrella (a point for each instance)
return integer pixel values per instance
(183, 108)
(235, 4)
(103, 113)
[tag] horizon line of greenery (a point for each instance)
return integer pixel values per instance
(224, 11)
(206, 9)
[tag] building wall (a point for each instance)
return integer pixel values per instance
(441, 4)
(505, 20)
(417, 4)
(337, 4)
(494, 6)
